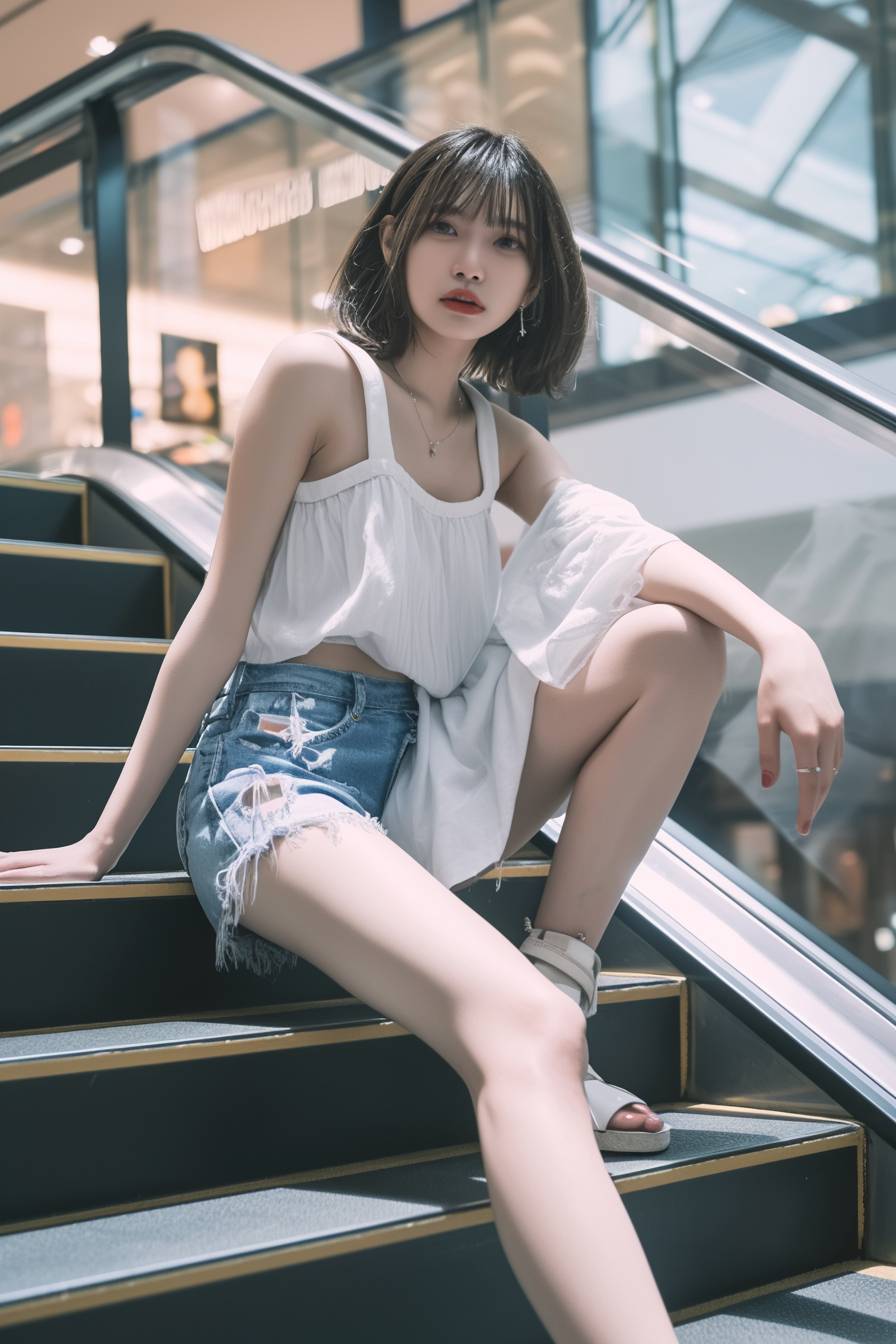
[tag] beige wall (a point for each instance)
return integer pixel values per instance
(47, 42)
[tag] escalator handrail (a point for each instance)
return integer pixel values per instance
(765, 356)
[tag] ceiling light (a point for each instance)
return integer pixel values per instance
(100, 46)
(838, 303)
(777, 315)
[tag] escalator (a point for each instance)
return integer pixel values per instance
(174, 1138)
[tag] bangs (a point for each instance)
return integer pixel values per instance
(482, 178)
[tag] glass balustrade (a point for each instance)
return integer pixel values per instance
(745, 149)
(238, 219)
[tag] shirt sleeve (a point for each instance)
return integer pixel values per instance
(571, 575)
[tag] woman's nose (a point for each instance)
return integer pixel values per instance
(470, 267)
(470, 260)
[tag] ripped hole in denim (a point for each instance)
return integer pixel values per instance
(271, 806)
(295, 729)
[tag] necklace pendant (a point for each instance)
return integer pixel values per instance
(432, 451)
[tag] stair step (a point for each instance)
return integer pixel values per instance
(109, 681)
(153, 1107)
(61, 944)
(416, 1226)
(54, 795)
(54, 588)
(35, 509)
(854, 1301)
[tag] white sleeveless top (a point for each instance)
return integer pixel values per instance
(366, 556)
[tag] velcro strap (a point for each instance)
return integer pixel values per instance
(534, 948)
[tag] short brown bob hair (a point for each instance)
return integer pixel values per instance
(369, 298)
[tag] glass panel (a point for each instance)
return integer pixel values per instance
(804, 514)
(747, 153)
(525, 72)
(426, 81)
(49, 320)
(750, 155)
(239, 217)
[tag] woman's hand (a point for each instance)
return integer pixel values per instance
(80, 862)
(796, 696)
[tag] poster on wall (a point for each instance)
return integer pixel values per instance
(24, 382)
(190, 381)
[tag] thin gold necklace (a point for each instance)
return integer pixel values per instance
(433, 443)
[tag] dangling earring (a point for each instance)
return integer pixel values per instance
(522, 328)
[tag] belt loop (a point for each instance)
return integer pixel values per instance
(360, 694)
(231, 687)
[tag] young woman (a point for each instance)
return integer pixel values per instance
(397, 714)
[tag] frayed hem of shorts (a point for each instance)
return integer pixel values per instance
(236, 884)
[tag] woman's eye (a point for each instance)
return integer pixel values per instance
(517, 245)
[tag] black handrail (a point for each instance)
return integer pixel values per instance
(140, 66)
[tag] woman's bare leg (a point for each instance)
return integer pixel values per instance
(365, 912)
(627, 786)
(621, 735)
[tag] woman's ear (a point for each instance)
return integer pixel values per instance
(386, 232)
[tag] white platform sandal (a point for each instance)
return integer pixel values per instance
(574, 967)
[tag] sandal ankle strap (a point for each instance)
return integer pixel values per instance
(555, 949)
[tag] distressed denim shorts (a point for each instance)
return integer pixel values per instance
(284, 745)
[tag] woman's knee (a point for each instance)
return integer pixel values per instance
(676, 640)
(535, 1038)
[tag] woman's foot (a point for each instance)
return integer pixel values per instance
(622, 1122)
(633, 1117)
(574, 967)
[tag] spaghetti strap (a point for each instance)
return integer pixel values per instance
(486, 440)
(379, 435)
(379, 430)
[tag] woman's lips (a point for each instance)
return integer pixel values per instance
(461, 306)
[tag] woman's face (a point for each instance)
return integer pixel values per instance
(458, 251)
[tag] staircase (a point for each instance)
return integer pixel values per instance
(249, 1148)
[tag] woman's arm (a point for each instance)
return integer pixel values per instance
(198, 662)
(795, 696)
(679, 574)
(279, 427)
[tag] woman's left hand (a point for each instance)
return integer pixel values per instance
(796, 696)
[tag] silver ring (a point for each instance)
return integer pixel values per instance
(808, 769)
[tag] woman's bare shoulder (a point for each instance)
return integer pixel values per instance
(315, 350)
(324, 374)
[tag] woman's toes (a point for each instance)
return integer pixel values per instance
(637, 1116)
